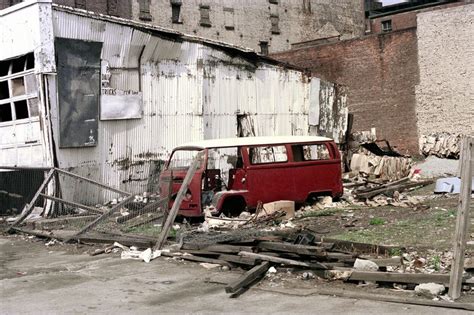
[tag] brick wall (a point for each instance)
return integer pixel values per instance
(445, 94)
(298, 21)
(380, 73)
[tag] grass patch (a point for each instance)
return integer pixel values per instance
(146, 230)
(377, 221)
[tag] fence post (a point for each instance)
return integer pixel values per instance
(462, 219)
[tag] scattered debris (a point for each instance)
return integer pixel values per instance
(450, 185)
(133, 253)
(366, 265)
(442, 145)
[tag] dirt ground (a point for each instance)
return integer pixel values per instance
(64, 279)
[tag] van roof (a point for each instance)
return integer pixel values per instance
(237, 142)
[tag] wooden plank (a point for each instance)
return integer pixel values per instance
(104, 216)
(221, 248)
(292, 248)
(43, 223)
(74, 204)
(198, 259)
(93, 182)
(238, 259)
(29, 208)
(385, 262)
(248, 278)
(179, 198)
(390, 184)
(284, 261)
(462, 219)
(415, 278)
(391, 189)
(358, 247)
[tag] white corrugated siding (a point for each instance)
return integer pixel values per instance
(190, 92)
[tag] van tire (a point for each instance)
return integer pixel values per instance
(233, 206)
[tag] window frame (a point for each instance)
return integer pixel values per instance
(27, 96)
(386, 22)
(324, 144)
(273, 152)
(205, 9)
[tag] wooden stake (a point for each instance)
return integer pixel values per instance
(177, 202)
(462, 219)
(248, 278)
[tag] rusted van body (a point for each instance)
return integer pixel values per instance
(238, 173)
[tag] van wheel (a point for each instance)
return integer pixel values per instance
(233, 206)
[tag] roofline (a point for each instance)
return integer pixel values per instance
(195, 145)
(170, 33)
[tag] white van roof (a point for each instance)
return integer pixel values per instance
(250, 141)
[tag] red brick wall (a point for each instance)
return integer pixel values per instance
(380, 73)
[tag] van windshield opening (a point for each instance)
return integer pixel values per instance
(182, 159)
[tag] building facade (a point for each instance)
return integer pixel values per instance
(109, 98)
(407, 83)
(262, 25)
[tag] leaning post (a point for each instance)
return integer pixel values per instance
(462, 219)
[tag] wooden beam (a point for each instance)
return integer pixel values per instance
(198, 259)
(415, 278)
(29, 208)
(93, 182)
(284, 261)
(71, 203)
(292, 248)
(248, 278)
(104, 216)
(238, 259)
(462, 218)
(391, 189)
(179, 198)
(221, 248)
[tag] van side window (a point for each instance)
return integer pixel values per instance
(268, 154)
(312, 152)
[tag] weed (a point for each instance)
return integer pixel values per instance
(436, 262)
(395, 251)
(377, 221)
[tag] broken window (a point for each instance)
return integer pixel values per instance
(275, 21)
(386, 26)
(264, 48)
(205, 15)
(268, 154)
(18, 89)
(144, 7)
(229, 18)
(311, 152)
(176, 11)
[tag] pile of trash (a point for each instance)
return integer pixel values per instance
(443, 145)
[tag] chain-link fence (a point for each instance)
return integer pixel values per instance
(60, 204)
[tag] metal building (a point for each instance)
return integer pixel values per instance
(108, 98)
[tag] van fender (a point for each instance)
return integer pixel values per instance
(220, 197)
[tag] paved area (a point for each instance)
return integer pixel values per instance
(35, 279)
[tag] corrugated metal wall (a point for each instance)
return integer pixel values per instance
(191, 91)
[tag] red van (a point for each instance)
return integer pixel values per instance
(238, 173)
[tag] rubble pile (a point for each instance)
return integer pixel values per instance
(443, 145)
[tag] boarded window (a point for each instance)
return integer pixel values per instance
(144, 8)
(176, 12)
(18, 89)
(268, 154)
(264, 48)
(313, 152)
(78, 91)
(229, 18)
(275, 20)
(205, 16)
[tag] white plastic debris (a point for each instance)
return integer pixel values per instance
(271, 270)
(429, 289)
(133, 253)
